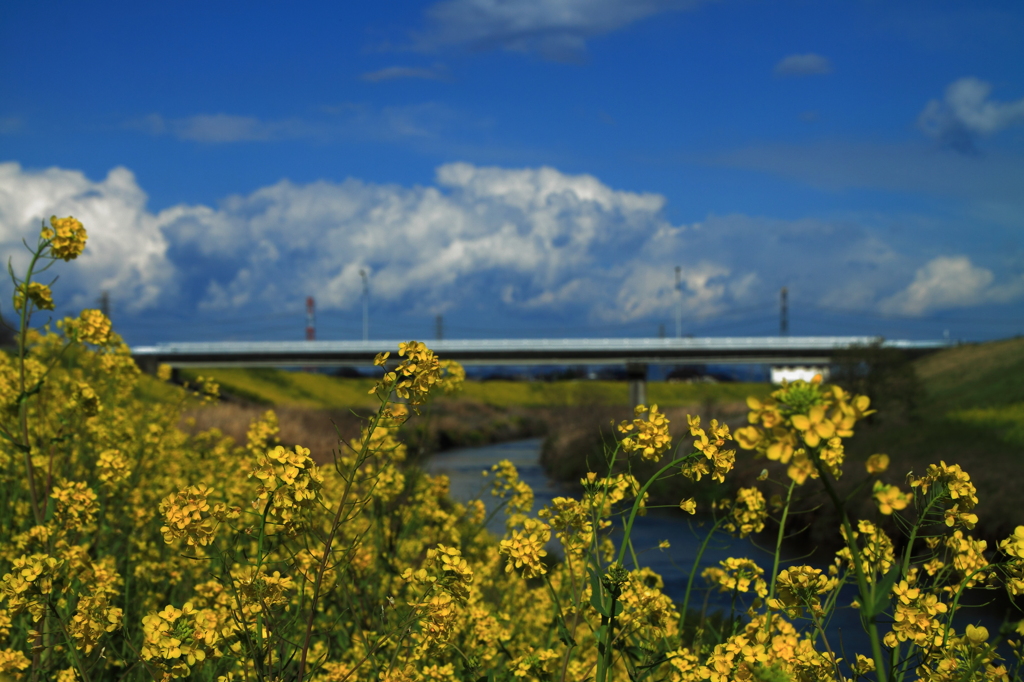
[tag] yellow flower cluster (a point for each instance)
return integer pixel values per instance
(647, 611)
(507, 485)
(91, 326)
(737, 575)
(874, 546)
(38, 294)
(801, 421)
(525, 548)
(890, 498)
(799, 588)
(968, 560)
(877, 464)
(179, 640)
(916, 617)
(650, 436)
(84, 397)
(717, 462)
(188, 514)
(28, 585)
(957, 483)
(572, 522)
(261, 591)
(66, 237)
(747, 513)
(452, 377)
(445, 592)
(758, 652)
(288, 478)
(413, 377)
(113, 467)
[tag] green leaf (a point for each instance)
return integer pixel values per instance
(563, 633)
(883, 590)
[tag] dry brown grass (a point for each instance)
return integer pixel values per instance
(309, 427)
(447, 424)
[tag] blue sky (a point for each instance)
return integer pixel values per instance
(524, 168)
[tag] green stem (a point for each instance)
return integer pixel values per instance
(696, 565)
(26, 444)
(335, 525)
(604, 662)
(639, 500)
(778, 553)
(867, 594)
(71, 644)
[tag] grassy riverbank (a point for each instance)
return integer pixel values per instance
(311, 405)
(962, 405)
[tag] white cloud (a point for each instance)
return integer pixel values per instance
(555, 30)
(482, 241)
(803, 65)
(950, 282)
(526, 235)
(967, 112)
(126, 252)
(399, 72)
(219, 128)
(340, 122)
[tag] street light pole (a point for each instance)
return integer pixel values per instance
(366, 306)
(679, 302)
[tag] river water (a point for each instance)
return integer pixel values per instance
(464, 469)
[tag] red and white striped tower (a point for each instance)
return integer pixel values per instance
(310, 319)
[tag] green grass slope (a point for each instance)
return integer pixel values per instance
(301, 389)
(979, 386)
(969, 411)
(975, 375)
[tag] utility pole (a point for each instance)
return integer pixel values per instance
(679, 302)
(310, 319)
(439, 327)
(105, 304)
(784, 312)
(366, 306)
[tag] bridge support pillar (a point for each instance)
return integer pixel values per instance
(636, 375)
(148, 365)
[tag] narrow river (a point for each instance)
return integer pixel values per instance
(464, 469)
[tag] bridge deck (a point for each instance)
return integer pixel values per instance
(808, 350)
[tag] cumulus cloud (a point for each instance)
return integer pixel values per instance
(127, 252)
(803, 65)
(967, 112)
(524, 236)
(397, 72)
(479, 241)
(950, 282)
(555, 30)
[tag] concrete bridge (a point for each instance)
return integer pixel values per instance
(635, 354)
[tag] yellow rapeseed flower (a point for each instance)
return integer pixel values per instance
(890, 498)
(39, 294)
(876, 464)
(66, 237)
(649, 436)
